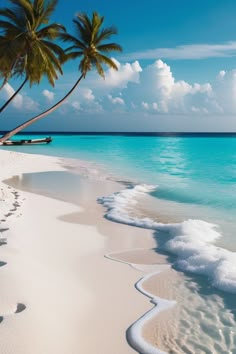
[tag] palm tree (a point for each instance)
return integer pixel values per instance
(88, 44)
(27, 45)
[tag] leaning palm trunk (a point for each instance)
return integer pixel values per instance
(14, 95)
(38, 117)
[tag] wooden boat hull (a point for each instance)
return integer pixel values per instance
(28, 141)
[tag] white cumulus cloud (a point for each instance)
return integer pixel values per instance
(128, 72)
(158, 91)
(154, 89)
(87, 94)
(9, 91)
(116, 100)
(49, 95)
(150, 89)
(20, 102)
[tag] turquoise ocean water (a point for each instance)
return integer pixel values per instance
(190, 181)
(188, 170)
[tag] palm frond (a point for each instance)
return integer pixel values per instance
(106, 60)
(109, 47)
(48, 11)
(82, 33)
(66, 37)
(97, 22)
(73, 47)
(105, 34)
(40, 59)
(24, 7)
(83, 19)
(8, 27)
(38, 6)
(51, 31)
(85, 66)
(53, 47)
(11, 16)
(99, 68)
(49, 53)
(70, 56)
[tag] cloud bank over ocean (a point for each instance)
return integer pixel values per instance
(154, 89)
(150, 93)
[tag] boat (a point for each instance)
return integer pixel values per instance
(46, 140)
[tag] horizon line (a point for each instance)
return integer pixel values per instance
(126, 133)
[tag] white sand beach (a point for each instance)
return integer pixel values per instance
(59, 293)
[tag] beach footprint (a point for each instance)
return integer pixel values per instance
(3, 240)
(16, 204)
(4, 229)
(20, 307)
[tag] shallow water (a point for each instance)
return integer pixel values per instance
(203, 321)
(187, 170)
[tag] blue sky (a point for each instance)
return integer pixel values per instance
(177, 71)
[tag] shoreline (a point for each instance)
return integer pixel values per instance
(47, 250)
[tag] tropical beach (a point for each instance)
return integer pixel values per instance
(117, 177)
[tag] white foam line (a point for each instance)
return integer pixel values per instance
(192, 241)
(108, 256)
(134, 265)
(134, 333)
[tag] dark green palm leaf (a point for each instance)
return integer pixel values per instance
(106, 60)
(81, 32)
(83, 19)
(98, 66)
(70, 56)
(8, 26)
(109, 47)
(53, 47)
(24, 6)
(85, 66)
(38, 6)
(105, 34)
(73, 47)
(12, 17)
(48, 11)
(52, 58)
(51, 32)
(66, 37)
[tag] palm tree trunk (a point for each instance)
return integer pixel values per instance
(14, 95)
(36, 118)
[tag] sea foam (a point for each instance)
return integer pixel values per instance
(135, 331)
(192, 241)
